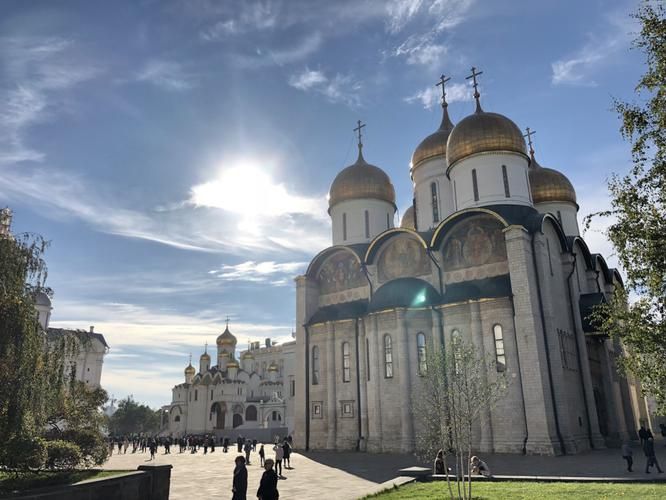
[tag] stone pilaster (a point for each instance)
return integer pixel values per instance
(377, 375)
(363, 382)
(331, 399)
(405, 372)
(476, 330)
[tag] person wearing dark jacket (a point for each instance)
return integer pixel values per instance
(240, 479)
(268, 485)
(651, 456)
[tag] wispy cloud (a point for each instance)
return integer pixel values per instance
(336, 88)
(598, 51)
(168, 75)
(274, 273)
(431, 96)
(242, 18)
(40, 69)
(279, 56)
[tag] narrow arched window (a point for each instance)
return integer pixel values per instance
(434, 201)
(421, 353)
(367, 357)
(196, 394)
(455, 196)
(346, 362)
(388, 356)
(559, 217)
(505, 179)
(475, 185)
(315, 365)
(500, 357)
(367, 224)
(344, 226)
(388, 225)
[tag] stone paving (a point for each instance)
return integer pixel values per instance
(348, 475)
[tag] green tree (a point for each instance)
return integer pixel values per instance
(133, 418)
(638, 210)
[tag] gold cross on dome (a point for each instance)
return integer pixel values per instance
(442, 81)
(227, 322)
(358, 129)
(475, 84)
(529, 135)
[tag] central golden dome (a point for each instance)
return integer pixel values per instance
(408, 221)
(434, 145)
(226, 338)
(483, 132)
(549, 185)
(361, 181)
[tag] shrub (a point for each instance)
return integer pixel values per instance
(62, 455)
(92, 447)
(24, 453)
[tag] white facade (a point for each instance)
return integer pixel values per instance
(360, 221)
(489, 169)
(433, 204)
(565, 212)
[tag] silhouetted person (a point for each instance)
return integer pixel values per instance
(438, 467)
(268, 485)
(650, 455)
(240, 479)
(262, 454)
(628, 455)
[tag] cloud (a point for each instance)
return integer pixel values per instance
(274, 273)
(337, 88)
(597, 52)
(242, 18)
(281, 56)
(167, 75)
(432, 96)
(400, 12)
(40, 69)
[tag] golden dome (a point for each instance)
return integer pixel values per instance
(247, 355)
(226, 338)
(232, 364)
(434, 145)
(272, 367)
(482, 132)
(549, 185)
(205, 356)
(408, 221)
(190, 370)
(359, 181)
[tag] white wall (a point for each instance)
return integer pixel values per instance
(568, 212)
(355, 209)
(490, 181)
(433, 170)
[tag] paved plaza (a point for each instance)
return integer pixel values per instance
(348, 475)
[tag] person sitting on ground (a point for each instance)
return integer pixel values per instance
(439, 468)
(268, 485)
(479, 467)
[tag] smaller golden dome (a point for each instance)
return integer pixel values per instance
(190, 370)
(247, 355)
(272, 367)
(205, 356)
(549, 185)
(232, 364)
(361, 181)
(408, 221)
(483, 132)
(226, 338)
(434, 145)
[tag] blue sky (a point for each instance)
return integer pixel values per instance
(178, 153)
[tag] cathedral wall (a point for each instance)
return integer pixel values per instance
(424, 175)
(380, 218)
(318, 411)
(566, 213)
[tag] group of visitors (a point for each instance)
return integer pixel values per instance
(647, 444)
(476, 466)
(282, 450)
(138, 443)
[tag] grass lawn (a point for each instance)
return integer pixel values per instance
(28, 480)
(529, 490)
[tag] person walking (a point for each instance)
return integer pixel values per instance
(262, 454)
(239, 487)
(651, 456)
(286, 454)
(248, 449)
(628, 455)
(239, 444)
(268, 485)
(279, 454)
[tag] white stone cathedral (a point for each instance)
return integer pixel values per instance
(489, 251)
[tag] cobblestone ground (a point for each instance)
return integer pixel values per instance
(347, 475)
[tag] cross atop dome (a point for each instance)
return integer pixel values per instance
(358, 129)
(475, 84)
(442, 83)
(529, 135)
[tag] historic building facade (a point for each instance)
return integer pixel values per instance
(253, 397)
(489, 251)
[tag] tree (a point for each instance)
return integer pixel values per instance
(638, 209)
(133, 418)
(455, 390)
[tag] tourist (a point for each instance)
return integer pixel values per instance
(248, 449)
(268, 485)
(240, 479)
(205, 445)
(239, 444)
(153, 449)
(225, 445)
(439, 468)
(262, 454)
(125, 445)
(663, 430)
(644, 434)
(212, 445)
(279, 453)
(479, 467)
(254, 445)
(286, 453)
(650, 455)
(627, 454)
(111, 445)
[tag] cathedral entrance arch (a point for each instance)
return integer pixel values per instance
(251, 413)
(220, 411)
(238, 420)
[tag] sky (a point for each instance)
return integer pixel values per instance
(178, 154)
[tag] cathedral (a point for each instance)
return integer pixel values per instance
(253, 398)
(489, 252)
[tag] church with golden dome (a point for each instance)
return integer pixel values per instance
(489, 251)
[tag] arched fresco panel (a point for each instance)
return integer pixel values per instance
(401, 258)
(341, 271)
(474, 249)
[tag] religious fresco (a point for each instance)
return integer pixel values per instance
(341, 271)
(477, 242)
(402, 257)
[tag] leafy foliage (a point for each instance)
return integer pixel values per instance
(455, 391)
(638, 206)
(133, 418)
